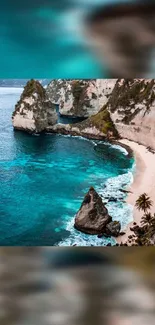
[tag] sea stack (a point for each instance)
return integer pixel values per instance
(34, 112)
(93, 218)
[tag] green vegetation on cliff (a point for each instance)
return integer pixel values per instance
(33, 86)
(103, 122)
(79, 91)
(130, 92)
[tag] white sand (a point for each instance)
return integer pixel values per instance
(144, 182)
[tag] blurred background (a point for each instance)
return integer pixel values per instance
(65, 286)
(77, 38)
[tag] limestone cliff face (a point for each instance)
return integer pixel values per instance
(132, 109)
(34, 112)
(123, 107)
(80, 98)
(99, 126)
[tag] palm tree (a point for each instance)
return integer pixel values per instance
(144, 202)
(146, 219)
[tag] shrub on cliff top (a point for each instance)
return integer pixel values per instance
(103, 122)
(129, 92)
(33, 86)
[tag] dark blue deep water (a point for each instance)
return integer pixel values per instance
(43, 180)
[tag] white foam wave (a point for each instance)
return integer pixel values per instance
(79, 239)
(96, 142)
(115, 146)
(119, 210)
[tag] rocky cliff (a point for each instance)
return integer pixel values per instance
(34, 112)
(128, 111)
(98, 126)
(80, 98)
(132, 109)
(122, 107)
(93, 217)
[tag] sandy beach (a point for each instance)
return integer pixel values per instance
(144, 182)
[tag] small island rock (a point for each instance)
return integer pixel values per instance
(92, 216)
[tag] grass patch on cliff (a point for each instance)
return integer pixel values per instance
(130, 92)
(34, 86)
(103, 122)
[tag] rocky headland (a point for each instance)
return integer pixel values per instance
(128, 112)
(120, 108)
(114, 109)
(99, 126)
(34, 112)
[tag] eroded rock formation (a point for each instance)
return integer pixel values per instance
(99, 126)
(93, 218)
(34, 111)
(80, 98)
(115, 108)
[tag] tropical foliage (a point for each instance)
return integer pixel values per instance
(143, 203)
(143, 234)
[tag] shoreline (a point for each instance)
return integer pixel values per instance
(143, 179)
(143, 182)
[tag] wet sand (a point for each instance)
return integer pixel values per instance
(144, 182)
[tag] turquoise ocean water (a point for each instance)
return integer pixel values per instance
(43, 180)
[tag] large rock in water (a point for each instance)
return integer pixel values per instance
(34, 112)
(92, 216)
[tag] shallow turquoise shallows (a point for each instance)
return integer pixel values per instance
(43, 180)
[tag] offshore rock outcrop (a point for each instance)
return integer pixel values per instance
(132, 109)
(93, 218)
(80, 98)
(34, 112)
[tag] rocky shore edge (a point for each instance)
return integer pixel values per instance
(35, 114)
(90, 133)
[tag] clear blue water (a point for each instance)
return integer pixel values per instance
(43, 180)
(67, 119)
